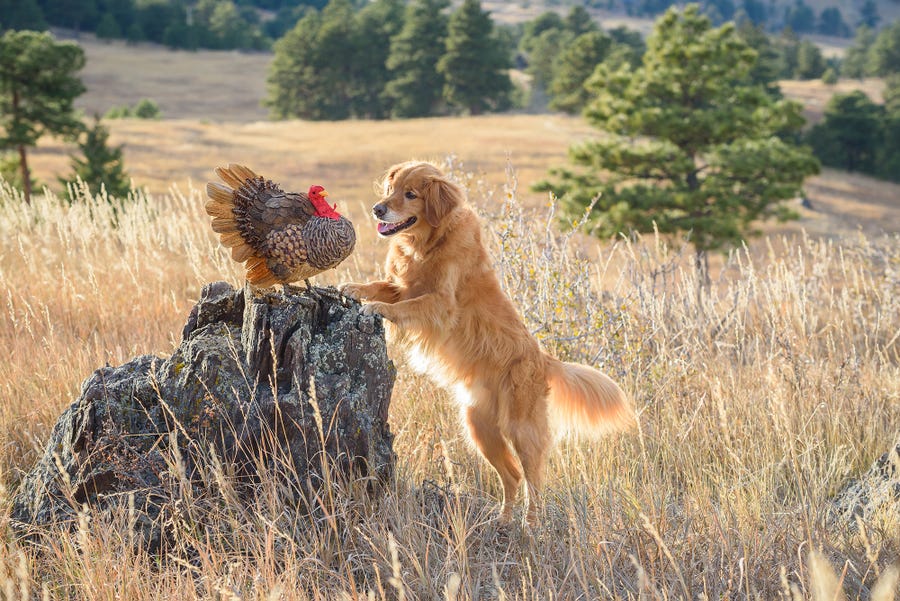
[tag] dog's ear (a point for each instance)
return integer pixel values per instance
(384, 185)
(441, 197)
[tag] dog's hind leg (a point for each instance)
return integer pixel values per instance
(485, 433)
(531, 441)
(528, 427)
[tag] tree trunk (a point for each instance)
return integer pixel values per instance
(26, 174)
(294, 388)
(701, 264)
(23, 158)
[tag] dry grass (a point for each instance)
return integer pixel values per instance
(814, 95)
(348, 156)
(205, 84)
(757, 403)
(345, 156)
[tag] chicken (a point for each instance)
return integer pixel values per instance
(281, 237)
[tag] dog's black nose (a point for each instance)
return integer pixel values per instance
(379, 210)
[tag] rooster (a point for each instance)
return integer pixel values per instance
(281, 237)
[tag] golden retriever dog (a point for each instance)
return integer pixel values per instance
(443, 296)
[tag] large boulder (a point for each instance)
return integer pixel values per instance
(294, 385)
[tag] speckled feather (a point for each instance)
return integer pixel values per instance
(277, 234)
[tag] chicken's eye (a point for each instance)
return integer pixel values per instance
(410, 195)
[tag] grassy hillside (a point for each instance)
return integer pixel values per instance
(758, 402)
(206, 84)
(759, 399)
(348, 156)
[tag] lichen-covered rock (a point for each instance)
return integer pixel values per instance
(873, 498)
(258, 380)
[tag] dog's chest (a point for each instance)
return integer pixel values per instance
(415, 273)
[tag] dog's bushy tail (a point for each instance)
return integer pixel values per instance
(586, 400)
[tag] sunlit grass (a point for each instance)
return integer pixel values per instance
(759, 399)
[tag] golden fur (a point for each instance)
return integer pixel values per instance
(443, 296)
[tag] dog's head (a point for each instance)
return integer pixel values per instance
(415, 198)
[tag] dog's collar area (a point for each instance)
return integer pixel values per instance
(389, 229)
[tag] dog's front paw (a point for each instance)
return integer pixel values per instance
(373, 308)
(351, 290)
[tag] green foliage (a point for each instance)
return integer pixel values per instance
(767, 68)
(11, 172)
(578, 21)
(630, 45)
(305, 80)
(690, 144)
(101, 166)
(719, 11)
(533, 29)
(543, 54)
(860, 135)
(38, 85)
(217, 24)
(829, 77)
(788, 46)
(850, 132)
(475, 65)
(334, 64)
(855, 63)
(574, 68)
(73, 14)
(145, 108)
(831, 22)
(868, 14)
(562, 54)
(810, 62)
(884, 55)
(800, 17)
(108, 28)
(21, 14)
(416, 86)
(377, 23)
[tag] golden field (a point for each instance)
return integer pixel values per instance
(759, 399)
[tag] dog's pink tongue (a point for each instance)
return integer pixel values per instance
(383, 227)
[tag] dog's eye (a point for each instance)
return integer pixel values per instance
(410, 195)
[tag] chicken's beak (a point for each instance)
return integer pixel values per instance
(323, 194)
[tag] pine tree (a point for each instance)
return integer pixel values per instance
(475, 67)
(415, 87)
(868, 14)
(857, 56)
(533, 29)
(810, 62)
(295, 88)
(831, 22)
(544, 52)
(766, 68)
(578, 21)
(38, 85)
(376, 24)
(690, 144)
(800, 17)
(884, 55)
(573, 69)
(850, 134)
(21, 14)
(101, 166)
(887, 159)
(108, 28)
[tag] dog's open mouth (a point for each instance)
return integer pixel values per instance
(389, 229)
